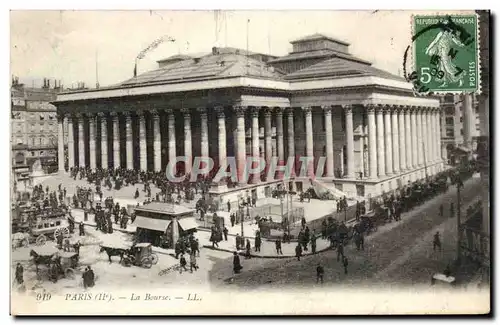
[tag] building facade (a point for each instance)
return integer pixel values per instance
(33, 129)
(460, 127)
(364, 125)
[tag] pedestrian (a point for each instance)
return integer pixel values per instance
(81, 229)
(182, 264)
(85, 277)
(340, 251)
(177, 249)
(233, 219)
(320, 271)
(192, 261)
(238, 239)
(91, 277)
(278, 247)
(436, 242)
(298, 251)
(19, 273)
(452, 210)
(258, 242)
(228, 206)
(236, 263)
(225, 231)
(248, 249)
(345, 262)
(313, 244)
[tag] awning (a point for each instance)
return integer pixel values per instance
(188, 223)
(153, 224)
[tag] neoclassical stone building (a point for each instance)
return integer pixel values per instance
(318, 101)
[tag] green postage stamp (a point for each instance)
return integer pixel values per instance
(446, 55)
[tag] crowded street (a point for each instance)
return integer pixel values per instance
(398, 253)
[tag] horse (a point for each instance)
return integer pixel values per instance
(42, 259)
(113, 252)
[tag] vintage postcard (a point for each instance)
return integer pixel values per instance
(251, 163)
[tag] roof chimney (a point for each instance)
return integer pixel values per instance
(215, 50)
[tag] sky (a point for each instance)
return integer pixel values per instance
(68, 45)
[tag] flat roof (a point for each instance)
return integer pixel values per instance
(164, 208)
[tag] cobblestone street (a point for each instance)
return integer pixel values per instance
(398, 253)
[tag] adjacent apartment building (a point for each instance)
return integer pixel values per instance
(33, 129)
(455, 129)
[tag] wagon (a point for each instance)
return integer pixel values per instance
(44, 255)
(141, 254)
(68, 263)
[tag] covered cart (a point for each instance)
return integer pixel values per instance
(141, 254)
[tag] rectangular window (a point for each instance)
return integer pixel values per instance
(461, 119)
(449, 133)
(449, 121)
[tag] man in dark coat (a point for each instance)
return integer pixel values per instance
(248, 249)
(225, 231)
(91, 277)
(320, 271)
(228, 206)
(340, 251)
(278, 247)
(298, 251)
(238, 242)
(19, 273)
(233, 219)
(81, 229)
(236, 263)
(345, 262)
(258, 242)
(313, 244)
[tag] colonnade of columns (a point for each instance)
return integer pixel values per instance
(400, 138)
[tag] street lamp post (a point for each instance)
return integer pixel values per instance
(459, 212)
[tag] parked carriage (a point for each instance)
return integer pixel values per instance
(44, 255)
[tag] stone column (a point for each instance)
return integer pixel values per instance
(204, 132)
(221, 122)
(430, 135)
(408, 139)
(143, 150)
(279, 135)
(268, 141)
(309, 140)
(104, 139)
(433, 137)
(349, 132)
(81, 142)
(414, 137)
(156, 140)
(402, 139)
(291, 136)
(240, 135)
(128, 138)
(171, 136)
(395, 140)
(420, 151)
(438, 130)
(188, 144)
(116, 140)
(255, 141)
(60, 142)
(425, 136)
(71, 143)
(388, 141)
(92, 136)
(372, 142)
(380, 142)
(329, 141)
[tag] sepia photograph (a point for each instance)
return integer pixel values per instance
(264, 162)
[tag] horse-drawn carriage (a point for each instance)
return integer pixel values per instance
(266, 224)
(57, 263)
(37, 225)
(140, 254)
